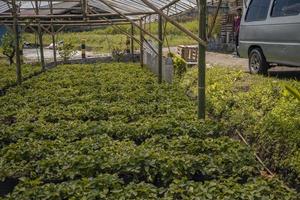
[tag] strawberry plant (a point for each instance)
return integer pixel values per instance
(109, 131)
(264, 111)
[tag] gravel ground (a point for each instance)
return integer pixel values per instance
(212, 58)
(230, 60)
(32, 54)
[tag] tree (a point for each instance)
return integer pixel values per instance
(66, 50)
(8, 47)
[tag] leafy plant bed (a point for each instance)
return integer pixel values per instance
(8, 74)
(109, 131)
(260, 108)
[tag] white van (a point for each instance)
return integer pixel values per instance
(270, 34)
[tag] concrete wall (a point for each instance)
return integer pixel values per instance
(151, 62)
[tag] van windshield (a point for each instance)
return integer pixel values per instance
(285, 8)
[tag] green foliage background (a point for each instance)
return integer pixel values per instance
(102, 39)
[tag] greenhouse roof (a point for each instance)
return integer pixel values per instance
(3, 7)
(80, 10)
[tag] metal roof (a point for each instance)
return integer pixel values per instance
(27, 8)
(126, 6)
(3, 7)
(114, 9)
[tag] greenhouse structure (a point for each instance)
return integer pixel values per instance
(52, 16)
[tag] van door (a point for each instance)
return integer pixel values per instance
(284, 33)
(253, 31)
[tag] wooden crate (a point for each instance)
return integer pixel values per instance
(188, 52)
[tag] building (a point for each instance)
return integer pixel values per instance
(227, 20)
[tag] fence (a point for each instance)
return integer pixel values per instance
(151, 62)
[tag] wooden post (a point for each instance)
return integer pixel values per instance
(17, 42)
(201, 59)
(132, 42)
(53, 35)
(40, 34)
(141, 44)
(83, 47)
(21, 55)
(160, 48)
(84, 7)
(41, 47)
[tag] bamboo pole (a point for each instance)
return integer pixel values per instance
(17, 43)
(141, 45)
(84, 9)
(160, 48)
(73, 16)
(132, 43)
(201, 59)
(40, 37)
(53, 35)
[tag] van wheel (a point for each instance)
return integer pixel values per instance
(257, 62)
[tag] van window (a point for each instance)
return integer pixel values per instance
(258, 10)
(285, 8)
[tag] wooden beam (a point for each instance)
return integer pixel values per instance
(169, 4)
(132, 42)
(17, 43)
(48, 0)
(53, 35)
(141, 45)
(176, 24)
(68, 21)
(130, 20)
(60, 29)
(84, 7)
(201, 59)
(73, 16)
(40, 35)
(46, 29)
(70, 25)
(160, 48)
(115, 26)
(166, 6)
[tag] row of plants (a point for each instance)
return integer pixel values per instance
(264, 110)
(109, 131)
(8, 73)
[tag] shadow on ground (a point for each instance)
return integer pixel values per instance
(286, 73)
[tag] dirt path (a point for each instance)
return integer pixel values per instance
(220, 59)
(226, 60)
(212, 58)
(230, 60)
(32, 54)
